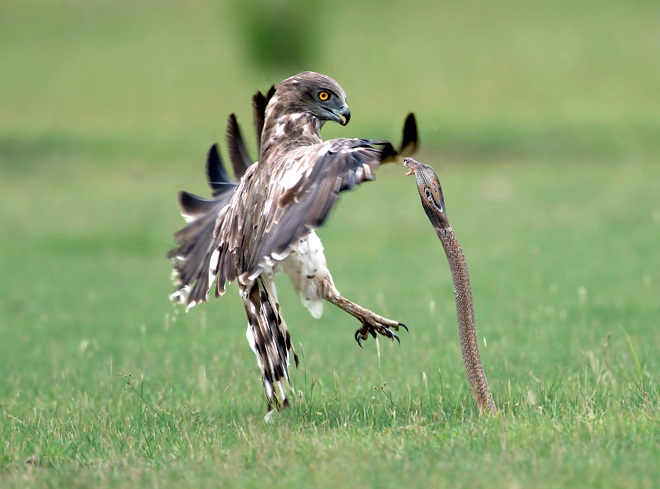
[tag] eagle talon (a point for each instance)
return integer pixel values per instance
(358, 338)
(378, 329)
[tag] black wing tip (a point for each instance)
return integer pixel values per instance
(410, 137)
(238, 154)
(193, 205)
(214, 167)
(259, 104)
(216, 174)
(260, 101)
(232, 129)
(213, 155)
(409, 141)
(187, 197)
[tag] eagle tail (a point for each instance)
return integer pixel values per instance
(269, 339)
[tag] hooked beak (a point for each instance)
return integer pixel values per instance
(343, 115)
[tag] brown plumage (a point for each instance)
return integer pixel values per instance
(433, 203)
(265, 222)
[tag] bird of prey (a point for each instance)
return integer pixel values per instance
(264, 223)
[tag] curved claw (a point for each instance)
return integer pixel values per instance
(358, 339)
(393, 336)
(403, 326)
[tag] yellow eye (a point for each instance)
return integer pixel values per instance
(323, 96)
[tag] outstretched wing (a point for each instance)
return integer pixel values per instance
(191, 257)
(296, 197)
(201, 214)
(305, 203)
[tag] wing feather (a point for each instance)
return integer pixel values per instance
(259, 103)
(216, 174)
(344, 164)
(195, 241)
(238, 153)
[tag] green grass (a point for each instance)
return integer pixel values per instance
(542, 126)
(106, 384)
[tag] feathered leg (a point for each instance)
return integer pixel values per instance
(372, 323)
(269, 338)
(307, 268)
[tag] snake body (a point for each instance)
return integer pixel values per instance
(433, 203)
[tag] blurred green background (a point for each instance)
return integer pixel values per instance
(543, 122)
(536, 77)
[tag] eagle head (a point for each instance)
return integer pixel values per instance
(316, 94)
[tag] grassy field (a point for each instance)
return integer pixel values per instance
(542, 124)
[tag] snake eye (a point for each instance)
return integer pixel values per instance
(323, 96)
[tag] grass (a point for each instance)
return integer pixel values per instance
(106, 384)
(551, 190)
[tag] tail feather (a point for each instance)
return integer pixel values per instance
(270, 340)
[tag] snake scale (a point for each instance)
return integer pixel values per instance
(430, 192)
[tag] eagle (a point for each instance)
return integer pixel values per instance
(264, 223)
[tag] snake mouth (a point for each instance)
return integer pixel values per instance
(406, 162)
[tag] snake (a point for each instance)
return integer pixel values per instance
(433, 203)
